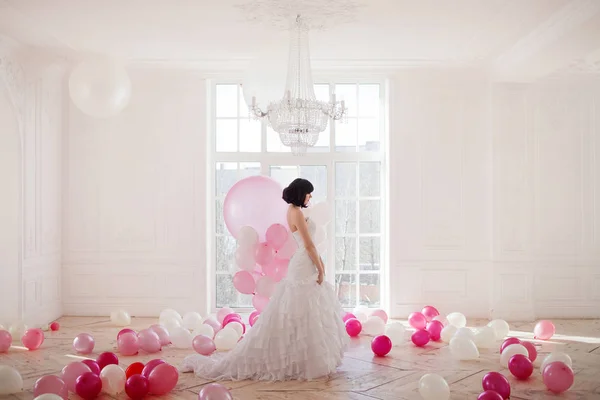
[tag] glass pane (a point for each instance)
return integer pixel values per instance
(345, 217)
(345, 254)
(226, 99)
(347, 92)
(226, 293)
(370, 216)
(226, 135)
(369, 290)
(317, 174)
(369, 254)
(345, 179)
(249, 169)
(283, 174)
(369, 179)
(322, 92)
(225, 177)
(225, 253)
(345, 286)
(250, 136)
(219, 221)
(346, 135)
(368, 135)
(244, 113)
(274, 144)
(322, 144)
(368, 100)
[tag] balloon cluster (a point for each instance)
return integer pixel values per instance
(255, 215)
(374, 323)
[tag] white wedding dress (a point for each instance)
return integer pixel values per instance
(298, 336)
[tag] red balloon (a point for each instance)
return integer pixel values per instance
(497, 382)
(381, 345)
(134, 369)
(93, 366)
(558, 377)
(163, 379)
(54, 326)
(420, 338)
(353, 327)
(88, 385)
(435, 330)
(107, 358)
(508, 342)
(489, 395)
(150, 366)
(531, 350)
(122, 331)
(136, 387)
(520, 366)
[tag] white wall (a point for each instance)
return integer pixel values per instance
(134, 201)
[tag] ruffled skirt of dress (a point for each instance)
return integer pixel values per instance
(299, 336)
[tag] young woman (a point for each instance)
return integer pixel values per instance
(300, 334)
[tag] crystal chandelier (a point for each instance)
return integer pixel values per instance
(299, 117)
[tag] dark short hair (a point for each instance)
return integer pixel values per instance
(296, 192)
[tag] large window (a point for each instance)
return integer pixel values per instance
(346, 168)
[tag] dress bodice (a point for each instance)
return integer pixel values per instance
(312, 227)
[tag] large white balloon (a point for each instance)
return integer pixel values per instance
(192, 320)
(501, 328)
(113, 379)
(226, 339)
(120, 318)
(448, 333)
(433, 387)
(180, 337)
(457, 319)
(463, 348)
(510, 351)
(373, 326)
(10, 380)
(205, 330)
(395, 331)
(100, 87)
(48, 396)
(485, 337)
(554, 357)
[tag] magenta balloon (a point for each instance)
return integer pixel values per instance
(256, 202)
(520, 366)
(150, 365)
(88, 386)
(243, 282)
(497, 382)
(420, 338)
(253, 317)
(214, 391)
(417, 320)
(72, 371)
(277, 235)
(107, 358)
(558, 377)
(430, 312)
(507, 342)
(348, 316)
(231, 316)
(51, 384)
(435, 330)
(93, 365)
(353, 327)
(531, 350)
(381, 345)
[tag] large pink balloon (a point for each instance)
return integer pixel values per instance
(277, 235)
(420, 338)
(353, 327)
(162, 379)
(256, 202)
(203, 345)
(244, 282)
(72, 371)
(149, 341)
(558, 377)
(84, 343)
(544, 330)
(128, 344)
(163, 334)
(497, 382)
(33, 338)
(381, 345)
(435, 330)
(223, 312)
(51, 384)
(417, 320)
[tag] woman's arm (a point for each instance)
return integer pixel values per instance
(300, 223)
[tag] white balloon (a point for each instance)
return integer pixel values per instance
(237, 327)
(465, 332)
(373, 326)
(501, 328)
(433, 387)
(457, 319)
(205, 330)
(120, 318)
(320, 214)
(113, 379)
(100, 87)
(169, 313)
(556, 357)
(463, 348)
(181, 338)
(442, 319)
(17, 329)
(361, 310)
(448, 333)
(395, 331)
(362, 317)
(510, 351)
(192, 320)
(485, 337)
(226, 339)
(48, 396)
(247, 237)
(10, 380)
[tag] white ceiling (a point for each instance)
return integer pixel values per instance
(530, 36)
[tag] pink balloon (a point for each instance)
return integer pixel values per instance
(381, 345)
(243, 282)
(222, 313)
(264, 254)
(489, 395)
(162, 379)
(107, 358)
(150, 365)
(353, 327)
(558, 377)
(348, 316)
(88, 385)
(276, 236)
(33, 338)
(288, 249)
(544, 330)
(520, 366)
(51, 384)
(84, 343)
(435, 330)
(253, 317)
(507, 342)
(497, 382)
(149, 341)
(417, 320)
(93, 365)
(381, 314)
(72, 371)
(531, 350)
(420, 338)
(213, 324)
(259, 302)
(203, 345)
(256, 202)
(125, 330)
(430, 312)
(214, 391)
(163, 334)
(128, 344)
(5, 341)
(232, 316)
(136, 387)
